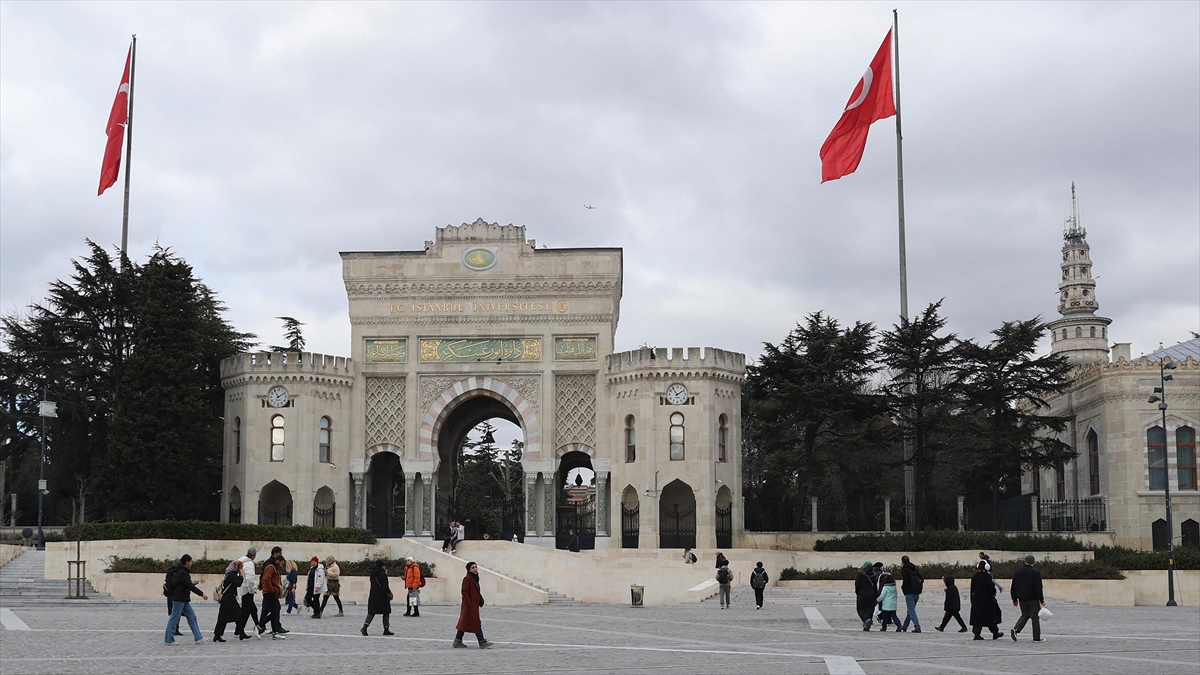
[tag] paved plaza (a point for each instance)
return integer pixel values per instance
(796, 634)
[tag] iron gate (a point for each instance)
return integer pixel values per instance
(268, 517)
(725, 527)
(512, 518)
(235, 514)
(578, 517)
(630, 526)
(677, 527)
(323, 517)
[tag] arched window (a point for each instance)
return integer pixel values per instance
(237, 440)
(1103, 332)
(630, 440)
(1078, 332)
(323, 441)
(1156, 447)
(277, 438)
(1093, 445)
(1185, 457)
(676, 436)
(1093, 331)
(722, 435)
(1064, 334)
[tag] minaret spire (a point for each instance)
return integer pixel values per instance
(1079, 334)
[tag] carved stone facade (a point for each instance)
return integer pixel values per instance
(483, 323)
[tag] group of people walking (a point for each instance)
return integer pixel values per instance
(875, 588)
(278, 581)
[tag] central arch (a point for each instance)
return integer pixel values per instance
(451, 416)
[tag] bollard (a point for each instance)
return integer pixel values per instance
(636, 593)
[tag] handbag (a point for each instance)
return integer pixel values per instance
(1044, 614)
(389, 591)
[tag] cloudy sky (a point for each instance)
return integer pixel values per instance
(269, 137)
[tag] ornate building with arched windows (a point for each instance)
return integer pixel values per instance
(1125, 460)
(481, 324)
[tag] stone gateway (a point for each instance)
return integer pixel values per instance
(483, 324)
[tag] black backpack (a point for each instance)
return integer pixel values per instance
(723, 576)
(917, 582)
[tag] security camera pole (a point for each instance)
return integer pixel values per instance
(1163, 378)
(45, 409)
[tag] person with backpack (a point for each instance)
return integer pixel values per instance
(758, 581)
(911, 584)
(689, 558)
(864, 594)
(167, 582)
(725, 581)
(414, 581)
(887, 599)
(952, 606)
(227, 595)
(721, 561)
(181, 588)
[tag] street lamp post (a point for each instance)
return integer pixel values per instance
(45, 409)
(1163, 378)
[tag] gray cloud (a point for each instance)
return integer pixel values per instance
(269, 137)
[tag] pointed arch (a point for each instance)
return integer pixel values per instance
(469, 387)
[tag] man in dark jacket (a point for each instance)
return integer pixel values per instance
(1026, 591)
(911, 585)
(166, 593)
(181, 589)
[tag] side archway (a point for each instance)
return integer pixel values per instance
(275, 504)
(324, 507)
(630, 517)
(677, 516)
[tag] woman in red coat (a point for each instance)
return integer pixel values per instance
(468, 616)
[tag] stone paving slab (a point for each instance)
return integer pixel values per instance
(695, 638)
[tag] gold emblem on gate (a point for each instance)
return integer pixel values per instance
(561, 306)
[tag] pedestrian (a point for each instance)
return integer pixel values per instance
(988, 559)
(952, 606)
(468, 614)
(272, 590)
(293, 576)
(572, 541)
(865, 594)
(452, 540)
(333, 585)
(247, 591)
(887, 599)
(181, 587)
(758, 581)
(230, 607)
(721, 561)
(689, 558)
(379, 601)
(911, 584)
(515, 540)
(166, 582)
(985, 613)
(876, 575)
(460, 535)
(1026, 591)
(725, 584)
(316, 586)
(414, 581)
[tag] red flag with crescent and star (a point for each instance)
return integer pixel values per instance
(870, 102)
(116, 131)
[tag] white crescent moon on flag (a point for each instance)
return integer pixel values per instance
(867, 78)
(123, 88)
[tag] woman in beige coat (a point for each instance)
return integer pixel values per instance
(334, 585)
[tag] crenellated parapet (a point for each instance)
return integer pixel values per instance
(262, 367)
(664, 363)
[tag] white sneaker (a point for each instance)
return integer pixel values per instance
(277, 636)
(203, 639)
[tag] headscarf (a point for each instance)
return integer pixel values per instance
(233, 565)
(866, 565)
(473, 575)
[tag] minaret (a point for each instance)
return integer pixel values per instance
(1080, 335)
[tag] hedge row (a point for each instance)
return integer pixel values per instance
(950, 540)
(1186, 558)
(356, 568)
(933, 573)
(204, 529)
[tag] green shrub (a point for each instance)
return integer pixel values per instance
(950, 540)
(17, 539)
(1186, 558)
(357, 568)
(1002, 569)
(204, 529)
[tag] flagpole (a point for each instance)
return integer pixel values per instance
(128, 153)
(910, 506)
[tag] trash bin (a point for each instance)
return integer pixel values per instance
(636, 594)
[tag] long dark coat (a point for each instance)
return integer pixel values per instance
(231, 607)
(984, 610)
(379, 602)
(864, 592)
(468, 615)
(953, 602)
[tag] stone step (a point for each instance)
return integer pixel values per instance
(23, 579)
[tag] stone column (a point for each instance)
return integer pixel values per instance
(357, 509)
(602, 504)
(887, 514)
(1033, 512)
(548, 503)
(814, 513)
(427, 511)
(410, 505)
(531, 505)
(960, 513)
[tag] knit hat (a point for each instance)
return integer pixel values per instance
(1029, 559)
(866, 565)
(315, 559)
(251, 551)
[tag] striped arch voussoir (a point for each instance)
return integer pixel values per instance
(470, 387)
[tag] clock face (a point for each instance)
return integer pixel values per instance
(677, 394)
(277, 397)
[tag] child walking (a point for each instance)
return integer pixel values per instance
(887, 599)
(952, 607)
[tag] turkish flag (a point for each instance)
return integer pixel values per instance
(871, 101)
(116, 131)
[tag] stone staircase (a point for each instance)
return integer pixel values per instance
(556, 598)
(22, 581)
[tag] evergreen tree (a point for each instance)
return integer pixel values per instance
(293, 333)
